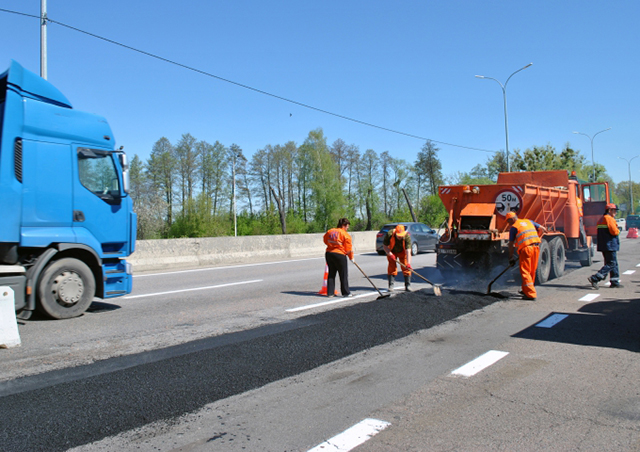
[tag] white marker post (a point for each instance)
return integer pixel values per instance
(9, 336)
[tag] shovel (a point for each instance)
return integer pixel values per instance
(436, 288)
(382, 295)
(501, 273)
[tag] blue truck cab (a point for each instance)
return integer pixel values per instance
(68, 223)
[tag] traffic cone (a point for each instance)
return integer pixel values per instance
(633, 233)
(323, 291)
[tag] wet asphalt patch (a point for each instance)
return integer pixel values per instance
(70, 407)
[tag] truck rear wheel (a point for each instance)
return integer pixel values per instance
(544, 263)
(66, 289)
(557, 257)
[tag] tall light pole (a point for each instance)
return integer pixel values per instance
(43, 39)
(504, 96)
(592, 161)
(630, 189)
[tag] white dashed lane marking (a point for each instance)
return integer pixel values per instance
(629, 272)
(552, 320)
(590, 297)
(480, 363)
(353, 436)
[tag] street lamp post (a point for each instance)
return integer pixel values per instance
(504, 96)
(592, 161)
(630, 189)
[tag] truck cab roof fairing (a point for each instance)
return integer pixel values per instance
(31, 85)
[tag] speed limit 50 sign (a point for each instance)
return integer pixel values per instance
(508, 200)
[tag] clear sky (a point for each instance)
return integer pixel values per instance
(402, 65)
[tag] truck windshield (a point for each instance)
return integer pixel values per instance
(97, 172)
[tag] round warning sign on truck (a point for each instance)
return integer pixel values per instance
(508, 200)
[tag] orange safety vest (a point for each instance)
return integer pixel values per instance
(526, 235)
(579, 203)
(338, 241)
(392, 242)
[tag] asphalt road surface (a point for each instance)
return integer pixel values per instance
(250, 358)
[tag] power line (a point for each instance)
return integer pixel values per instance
(208, 74)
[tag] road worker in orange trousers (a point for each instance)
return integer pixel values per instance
(397, 243)
(524, 236)
(339, 247)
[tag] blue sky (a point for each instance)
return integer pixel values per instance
(403, 65)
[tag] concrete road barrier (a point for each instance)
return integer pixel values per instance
(9, 336)
(154, 255)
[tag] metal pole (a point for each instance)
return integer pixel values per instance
(504, 96)
(43, 39)
(593, 163)
(235, 220)
(632, 208)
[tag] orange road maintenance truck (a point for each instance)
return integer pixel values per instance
(477, 235)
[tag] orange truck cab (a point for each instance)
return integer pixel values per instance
(477, 234)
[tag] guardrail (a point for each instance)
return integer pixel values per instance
(154, 255)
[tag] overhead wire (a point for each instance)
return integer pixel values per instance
(241, 85)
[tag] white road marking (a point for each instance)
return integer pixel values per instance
(480, 363)
(629, 272)
(338, 299)
(191, 290)
(226, 267)
(590, 297)
(552, 320)
(637, 265)
(353, 436)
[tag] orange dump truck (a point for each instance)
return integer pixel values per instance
(477, 234)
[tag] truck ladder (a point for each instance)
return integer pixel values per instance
(547, 210)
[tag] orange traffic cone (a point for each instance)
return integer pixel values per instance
(633, 233)
(323, 291)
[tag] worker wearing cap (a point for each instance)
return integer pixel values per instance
(608, 245)
(397, 244)
(339, 247)
(524, 235)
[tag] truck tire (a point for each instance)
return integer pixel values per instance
(557, 258)
(66, 289)
(589, 260)
(544, 263)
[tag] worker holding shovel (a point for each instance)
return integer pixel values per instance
(339, 247)
(397, 243)
(524, 235)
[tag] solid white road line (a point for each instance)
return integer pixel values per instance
(191, 290)
(552, 320)
(338, 299)
(590, 297)
(629, 272)
(480, 363)
(353, 436)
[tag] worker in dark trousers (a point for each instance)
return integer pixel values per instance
(608, 245)
(397, 243)
(339, 247)
(524, 235)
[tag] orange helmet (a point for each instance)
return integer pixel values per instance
(611, 206)
(399, 231)
(510, 215)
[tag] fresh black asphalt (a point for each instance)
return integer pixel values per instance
(59, 410)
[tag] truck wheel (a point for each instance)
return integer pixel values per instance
(414, 248)
(589, 254)
(544, 263)
(66, 289)
(557, 258)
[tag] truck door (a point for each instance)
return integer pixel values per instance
(596, 197)
(99, 218)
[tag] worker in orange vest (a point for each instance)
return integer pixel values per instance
(397, 243)
(339, 247)
(525, 236)
(608, 245)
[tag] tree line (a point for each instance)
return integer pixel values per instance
(193, 188)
